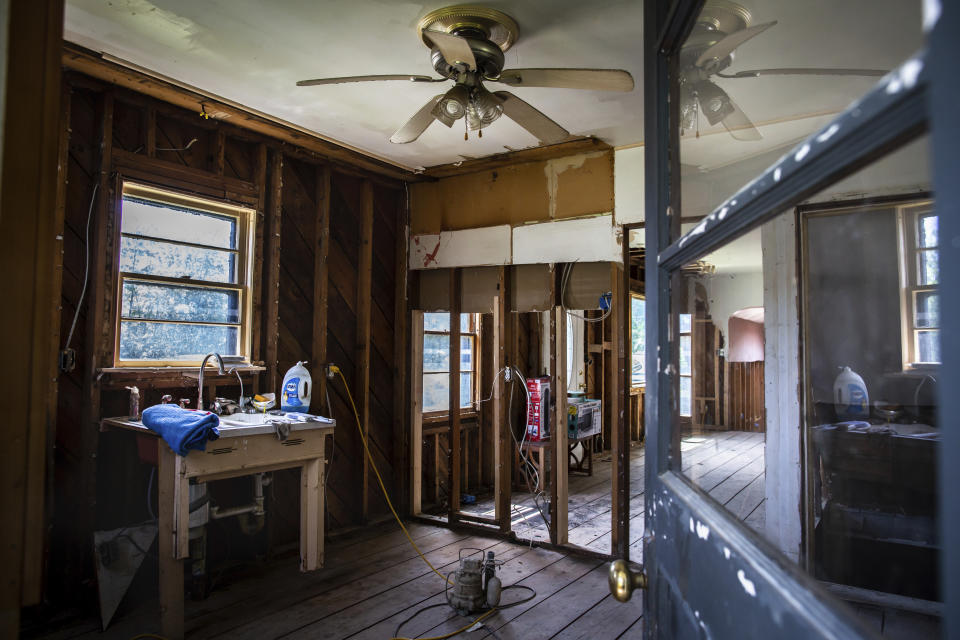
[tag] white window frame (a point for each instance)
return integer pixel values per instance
(908, 216)
(474, 335)
(244, 264)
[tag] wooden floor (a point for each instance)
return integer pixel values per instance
(729, 465)
(373, 580)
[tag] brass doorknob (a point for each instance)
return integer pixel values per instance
(623, 581)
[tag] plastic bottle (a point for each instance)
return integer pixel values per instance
(296, 390)
(850, 396)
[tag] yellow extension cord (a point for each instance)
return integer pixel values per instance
(363, 439)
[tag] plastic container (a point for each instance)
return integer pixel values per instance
(296, 390)
(850, 396)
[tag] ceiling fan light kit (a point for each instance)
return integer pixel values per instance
(466, 46)
(722, 27)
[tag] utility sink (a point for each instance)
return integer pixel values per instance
(245, 419)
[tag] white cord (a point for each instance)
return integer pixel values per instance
(563, 291)
(86, 266)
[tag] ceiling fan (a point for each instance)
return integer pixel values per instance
(722, 27)
(466, 45)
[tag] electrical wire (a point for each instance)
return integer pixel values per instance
(563, 290)
(86, 266)
(376, 472)
(489, 612)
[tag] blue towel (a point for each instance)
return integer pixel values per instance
(183, 429)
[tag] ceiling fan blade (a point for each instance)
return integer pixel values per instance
(411, 78)
(417, 124)
(725, 47)
(805, 71)
(739, 125)
(594, 79)
(454, 48)
(543, 128)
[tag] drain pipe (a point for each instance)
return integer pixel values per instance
(252, 515)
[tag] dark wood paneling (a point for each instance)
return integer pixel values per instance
(106, 486)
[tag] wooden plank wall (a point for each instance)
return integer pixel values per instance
(294, 191)
(747, 407)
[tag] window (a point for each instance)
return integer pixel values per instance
(920, 275)
(686, 365)
(436, 361)
(184, 283)
(638, 338)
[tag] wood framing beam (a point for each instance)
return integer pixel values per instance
(321, 285)
(560, 468)
(272, 286)
(168, 90)
(401, 342)
(453, 468)
(620, 431)
(364, 299)
(256, 346)
(27, 219)
(535, 154)
(503, 456)
(416, 412)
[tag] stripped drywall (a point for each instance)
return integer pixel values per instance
(594, 239)
(569, 187)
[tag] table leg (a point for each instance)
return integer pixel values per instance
(311, 515)
(171, 568)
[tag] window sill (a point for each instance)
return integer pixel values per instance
(180, 376)
(440, 418)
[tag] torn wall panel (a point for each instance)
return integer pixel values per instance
(469, 247)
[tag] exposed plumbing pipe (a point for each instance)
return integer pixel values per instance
(254, 513)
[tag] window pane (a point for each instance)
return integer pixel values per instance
(436, 391)
(172, 302)
(150, 257)
(928, 231)
(685, 396)
(162, 341)
(146, 218)
(638, 338)
(436, 352)
(929, 267)
(436, 322)
(465, 322)
(928, 346)
(685, 323)
(685, 355)
(466, 389)
(732, 128)
(466, 354)
(928, 310)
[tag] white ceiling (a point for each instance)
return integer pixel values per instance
(253, 52)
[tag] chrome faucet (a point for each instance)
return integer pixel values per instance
(221, 370)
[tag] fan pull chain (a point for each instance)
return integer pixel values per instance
(465, 129)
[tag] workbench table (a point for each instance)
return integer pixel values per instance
(240, 451)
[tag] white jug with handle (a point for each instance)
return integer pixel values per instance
(296, 390)
(850, 396)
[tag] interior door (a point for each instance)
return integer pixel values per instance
(706, 573)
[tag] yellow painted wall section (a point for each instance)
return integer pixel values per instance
(566, 187)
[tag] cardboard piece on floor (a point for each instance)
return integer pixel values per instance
(118, 560)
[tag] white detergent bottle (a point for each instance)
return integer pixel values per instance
(297, 386)
(850, 396)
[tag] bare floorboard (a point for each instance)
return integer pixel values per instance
(729, 465)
